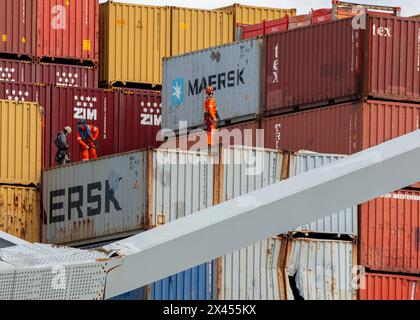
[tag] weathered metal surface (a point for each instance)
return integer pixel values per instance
(320, 270)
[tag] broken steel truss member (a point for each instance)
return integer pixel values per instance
(45, 272)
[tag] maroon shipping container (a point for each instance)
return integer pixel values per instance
(333, 62)
(50, 29)
(140, 119)
(66, 75)
(68, 29)
(16, 71)
(97, 106)
(342, 129)
(390, 287)
(322, 15)
(33, 93)
(18, 27)
(390, 233)
(237, 134)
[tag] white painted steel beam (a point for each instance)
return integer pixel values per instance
(257, 216)
(26, 270)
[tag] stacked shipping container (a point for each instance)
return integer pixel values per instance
(20, 169)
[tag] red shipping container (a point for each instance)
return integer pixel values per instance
(266, 27)
(390, 233)
(16, 71)
(342, 129)
(66, 75)
(237, 134)
(325, 63)
(97, 106)
(140, 119)
(68, 29)
(18, 27)
(59, 29)
(322, 15)
(42, 95)
(390, 287)
(300, 21)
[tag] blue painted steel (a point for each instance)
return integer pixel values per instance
(139, 294)
(193, 284)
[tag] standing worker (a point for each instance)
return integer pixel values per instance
(211, 116)
(62, 156)
(87, 136)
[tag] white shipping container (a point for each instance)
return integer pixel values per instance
(113, 197)
(343, 222)
(320, 270)
(233, 70)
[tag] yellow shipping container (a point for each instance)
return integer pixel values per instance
(20, 143)
(133, 41)
(20, 212)
(196, 29)
(251, 15)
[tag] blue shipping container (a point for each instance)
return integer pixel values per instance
(193, 284)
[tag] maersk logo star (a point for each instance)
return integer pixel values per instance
(177, 92)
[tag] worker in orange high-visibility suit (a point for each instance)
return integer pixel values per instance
(86, 137)
(211, 116)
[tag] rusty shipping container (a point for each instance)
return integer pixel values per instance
(23, 92)
(319, 270)
(16, 71)
(243, 14)
(133, 41)
(140, 119)
(333, 62)
(66, 75)
(18, 27)
(97, 106)
(112, 197)
(389, 287)
(68, 30)
(20, 212)
(342, 129)
(196, 29)
(390, 233)
(20, 143)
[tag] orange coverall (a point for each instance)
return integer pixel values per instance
(87, 147)
(210, 108)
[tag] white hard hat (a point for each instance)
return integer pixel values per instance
(68, 130)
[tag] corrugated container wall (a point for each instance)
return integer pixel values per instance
(20, 212)
(233, 70)
(193, 284)
(18, 27)
(16, 71)
(20, 143)
(95, 200)
(342, 129)
(136, 295)
(195, 29)
(22, 92)
(343, 222)
(68, 29)
(66, 75)
(133, 41)
(320, 270)
(97, 106)
(139, 120)
(390, 233)
(326, 63)
(252, 15)
(181, 183)
(252, 273)
(390, 287)
(312, 65)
